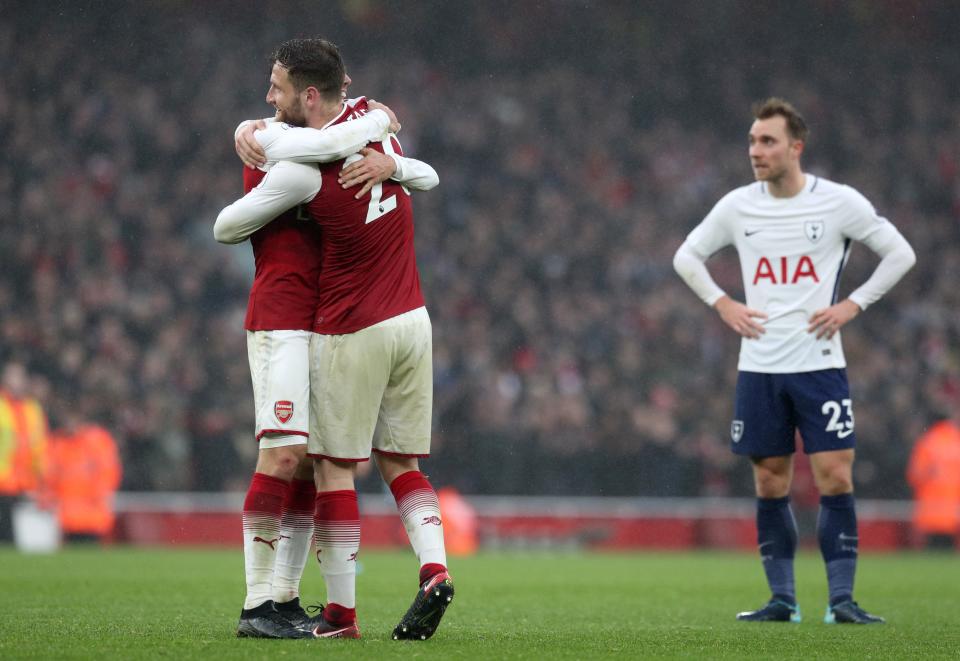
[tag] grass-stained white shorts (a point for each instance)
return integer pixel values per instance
(373, 390)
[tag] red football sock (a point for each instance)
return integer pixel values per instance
(337, 532)
(420, 511)
(261, 534)
(296, 534)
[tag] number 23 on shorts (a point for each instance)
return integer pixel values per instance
(835, 410)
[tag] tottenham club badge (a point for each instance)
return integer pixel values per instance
(736, 430)
(283, 409)
(813, 229)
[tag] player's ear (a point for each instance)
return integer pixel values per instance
(797, 147)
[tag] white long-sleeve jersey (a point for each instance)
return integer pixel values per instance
(289, 183)
(792, 252)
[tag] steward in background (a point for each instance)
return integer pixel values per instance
(23, 444)
(934, 474)
(84, 477)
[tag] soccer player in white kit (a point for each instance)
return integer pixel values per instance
(792, 231)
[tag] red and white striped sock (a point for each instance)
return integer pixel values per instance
(420, 511)
(261, 534)
(296, 534)
(337, 532)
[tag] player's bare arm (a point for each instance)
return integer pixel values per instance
(829, 320)
(740, 318)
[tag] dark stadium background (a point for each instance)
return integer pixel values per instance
(576, 142)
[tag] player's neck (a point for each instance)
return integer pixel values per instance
(789, 185)
(325, 114)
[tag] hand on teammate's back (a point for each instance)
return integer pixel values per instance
(374, 168)
(394, 122)
(247, 147)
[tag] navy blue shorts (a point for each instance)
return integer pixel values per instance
(770, 407)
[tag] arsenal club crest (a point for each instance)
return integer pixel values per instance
(283, 409)
(813, 230)
(736, 430)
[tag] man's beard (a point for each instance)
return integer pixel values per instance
(293, 115)
(771, 175)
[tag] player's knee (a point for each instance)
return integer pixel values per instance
(770, 484)
(836, 483)
(772, 489)
(835, 479)
(280, 462)
(391, 466)
(304, 469)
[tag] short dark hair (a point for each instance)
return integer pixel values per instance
(312, 63)
(796, 125)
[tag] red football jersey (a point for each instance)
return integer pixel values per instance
(369, 264)
(286, 253)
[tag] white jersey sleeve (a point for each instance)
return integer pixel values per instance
(716, 230)
(410, 172)
(706, 238)
(414, 174)
(878, 234)
(285, 185)
(283, 142)
(690, 266)
(247, 122)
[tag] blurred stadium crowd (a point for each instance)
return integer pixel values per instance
(577, 143)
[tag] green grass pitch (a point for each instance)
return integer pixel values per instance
(122, 603)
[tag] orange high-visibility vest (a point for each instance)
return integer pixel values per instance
(85, 474)
(934, 474)
(459, 522)
(23, 445)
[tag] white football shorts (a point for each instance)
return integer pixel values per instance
(373, 390)
(280, 371)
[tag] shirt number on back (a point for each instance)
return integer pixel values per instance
(834, 410)
(378, 206)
